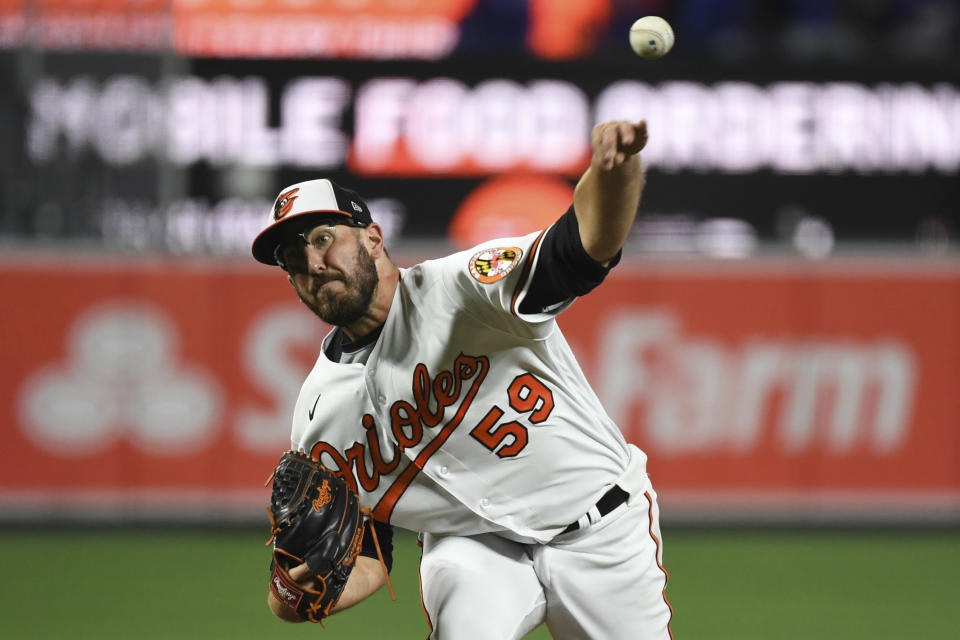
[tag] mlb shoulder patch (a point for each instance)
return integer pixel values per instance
(489, 265)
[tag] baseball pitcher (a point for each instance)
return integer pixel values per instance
(446, 401)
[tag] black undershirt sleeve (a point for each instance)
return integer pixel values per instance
(368, 547)
(564, 270)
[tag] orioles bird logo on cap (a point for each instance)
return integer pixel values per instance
(284, 203)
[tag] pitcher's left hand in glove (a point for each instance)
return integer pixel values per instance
(314, 519)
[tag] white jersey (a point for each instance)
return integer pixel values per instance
(468, 416)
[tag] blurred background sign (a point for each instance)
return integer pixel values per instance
(760, 390)
(788, 315)
(427, 29)
(99, 152)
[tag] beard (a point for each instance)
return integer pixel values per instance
(345, 308)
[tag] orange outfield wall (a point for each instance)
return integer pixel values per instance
(754, 387)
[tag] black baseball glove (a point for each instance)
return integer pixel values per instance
(314, 518)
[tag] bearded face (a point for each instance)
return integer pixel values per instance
(340, 293)
(341, 298)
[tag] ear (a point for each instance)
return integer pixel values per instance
(373, 237)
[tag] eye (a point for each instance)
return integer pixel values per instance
(320, 239)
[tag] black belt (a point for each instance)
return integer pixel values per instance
(610, 501)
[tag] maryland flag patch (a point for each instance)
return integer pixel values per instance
(489, 265)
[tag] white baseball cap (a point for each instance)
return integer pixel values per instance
(303, 205)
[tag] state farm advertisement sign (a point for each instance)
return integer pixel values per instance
(754, 387)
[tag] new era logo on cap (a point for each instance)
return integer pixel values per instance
(300, 205)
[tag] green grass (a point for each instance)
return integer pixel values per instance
(818, 585)
(738, 585)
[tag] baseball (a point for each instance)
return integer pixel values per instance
(651, 37)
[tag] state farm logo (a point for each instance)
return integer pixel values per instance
(121, 379)
(698, 395)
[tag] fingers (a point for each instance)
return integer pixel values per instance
(299, 571)
(638, 137)
(626, 132)
(302, 575)
(614, 142)
(606, 144)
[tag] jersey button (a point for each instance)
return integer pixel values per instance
(382, 398)
(485, 502)
(443, 470)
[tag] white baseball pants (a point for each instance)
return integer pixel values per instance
(605, 582)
